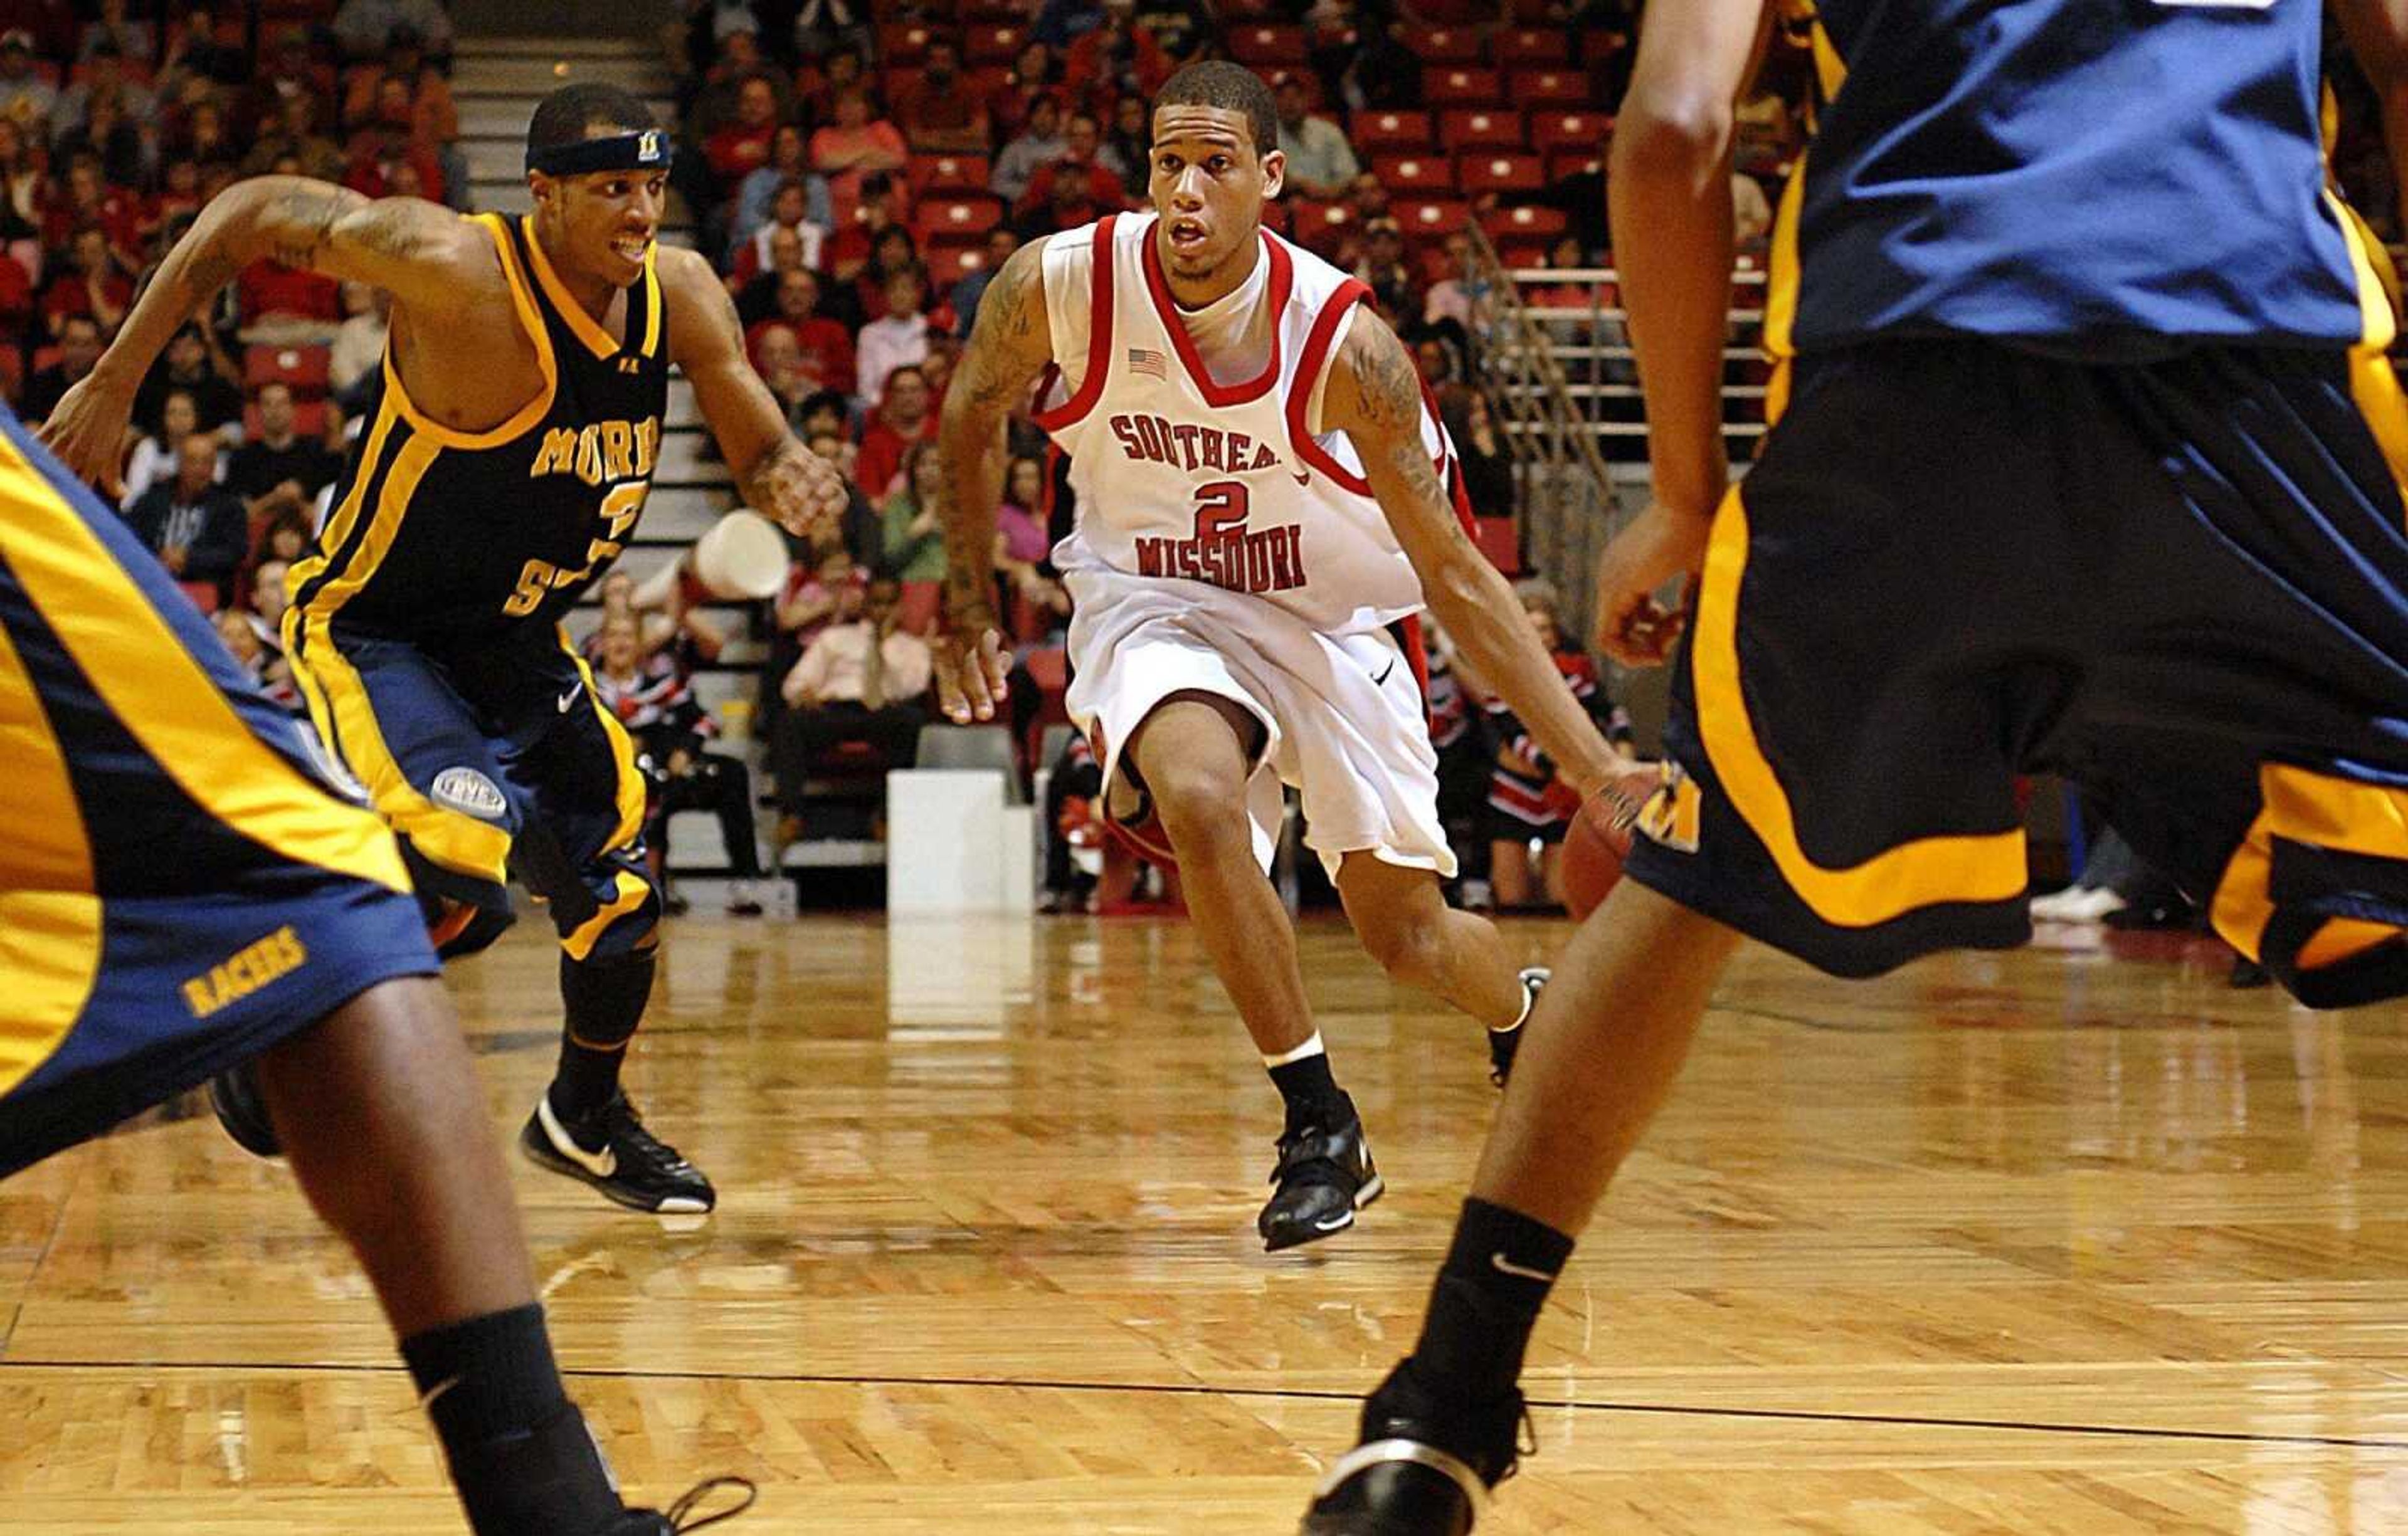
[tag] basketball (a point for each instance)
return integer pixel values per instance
(1599, 837)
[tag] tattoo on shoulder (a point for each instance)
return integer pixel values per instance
(1006, 347)
(305, 219)
(1388, 388)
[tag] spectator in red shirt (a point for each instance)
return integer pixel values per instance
(388, 142)
(1098, 187)
(741, 148)
(288, 304)
(823, 347)
(1119, 58)
(903, 416)
(94, 284)
(839, 71)
(855, 240)
(936, 112)
(286, 71)
(854, 147)
(894, 252)
(91, 201)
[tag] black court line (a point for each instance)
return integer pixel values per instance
(1282, 1394)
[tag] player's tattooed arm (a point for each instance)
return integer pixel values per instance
(1010, 346)
(777, 475)
(428, 256)
(1374, 395)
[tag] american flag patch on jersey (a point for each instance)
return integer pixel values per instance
(1145, 359)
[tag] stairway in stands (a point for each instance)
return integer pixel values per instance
(497, 82)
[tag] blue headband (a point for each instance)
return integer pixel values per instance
(647, 149)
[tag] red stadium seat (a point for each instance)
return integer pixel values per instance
(1514, 224)
(304, 369)
(1520, 253)
(1490, 128)
(1564, 163)
(1305, 77)
(947, 174)
(1560, 130)
(1428, 218)
(1000, 13)
(949, 261)
(1479, 171)
(901, 43)
(1533, 46)
(1423, 175)
(992, 44)
(1443, 45)
(1376, 130)
(1463, 88)
(1500, 542)
(1234, 12)
(1552, 88)
(948, 216)
(1320, 226)
(204, 595)
(1263, 45)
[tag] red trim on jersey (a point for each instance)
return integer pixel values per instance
(1307, 373)
(1450, 468)
(1100, 338)
(1219, 396)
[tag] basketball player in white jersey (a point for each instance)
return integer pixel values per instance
(1266, 500)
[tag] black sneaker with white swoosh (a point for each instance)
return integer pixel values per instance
(1325, 1175)
(609, 1149)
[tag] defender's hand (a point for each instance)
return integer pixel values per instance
(970, 672)
(1660, 546)
(87, 432)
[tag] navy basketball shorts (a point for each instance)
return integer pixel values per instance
(181, 885)
(491, 757)
(2181, 585)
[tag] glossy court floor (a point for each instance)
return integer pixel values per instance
(2052, 1242)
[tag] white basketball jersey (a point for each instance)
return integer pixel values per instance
(1228, 484)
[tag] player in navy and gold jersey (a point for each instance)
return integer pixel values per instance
(2079, 467)
(503, 461)
(182, 887)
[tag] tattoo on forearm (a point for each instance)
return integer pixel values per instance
(303, 220)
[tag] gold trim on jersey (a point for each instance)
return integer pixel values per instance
(597, 340)
(2373, 382)
(530, 320)
(51, 922)
(630, 795)
(2318, 811)
(628, 896)
(163, 697)
(1925, 871)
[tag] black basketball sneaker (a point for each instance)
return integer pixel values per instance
(1325, 1175)
(1504, 1044)
(686, 1513)
(609, 1149)
(1419, 1470)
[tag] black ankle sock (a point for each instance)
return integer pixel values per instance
(519, 1452)
(1487, 1299)
(605, 1001)
(1311, 1095)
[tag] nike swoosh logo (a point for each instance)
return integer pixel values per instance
(440, 1387)
(1380, 681)
(569, 698)
(1330, 1224)
(1305, 478)
(600, 1164)
(1506, 1266)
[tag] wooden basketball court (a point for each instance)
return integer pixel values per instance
(2043, 1243)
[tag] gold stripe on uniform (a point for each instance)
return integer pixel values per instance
(597, 341)
(50, 919)
(2320, 811)
(630, 895)
(2374, 383)
(166, 700)
(1780, 291)
(631, 791)
(1978, 867)
(651, 304)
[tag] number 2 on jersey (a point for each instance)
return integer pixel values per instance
(540, 578)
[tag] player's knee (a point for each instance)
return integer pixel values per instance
(1202, 808)
(1406, 945)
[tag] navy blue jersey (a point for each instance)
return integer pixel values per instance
(437, 534)
(2113, 179)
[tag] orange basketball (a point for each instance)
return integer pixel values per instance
(1599, 837)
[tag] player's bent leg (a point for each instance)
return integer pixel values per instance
(1607, 1039)
(384, 1120)
(1404, 922)
(1193, 750)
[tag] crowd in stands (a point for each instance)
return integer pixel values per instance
(858, 172)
